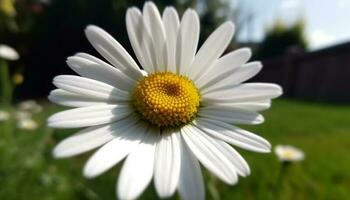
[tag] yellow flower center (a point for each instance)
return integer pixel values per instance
(289, 154)
(166, 99)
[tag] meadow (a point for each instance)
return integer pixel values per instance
(322, 131)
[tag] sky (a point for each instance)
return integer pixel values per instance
(327, 21)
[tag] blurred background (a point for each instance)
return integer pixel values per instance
(303, 44)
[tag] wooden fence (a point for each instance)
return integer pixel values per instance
(322, 75)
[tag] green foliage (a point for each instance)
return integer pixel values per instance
(280, 38)
(5, 84)
(214, 13)
(28, 170)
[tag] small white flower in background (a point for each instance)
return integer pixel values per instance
(8, 53)
(287, 153)
(19, 114)
(27, 124)
(30, 106)
(181, 110)
(4, 116)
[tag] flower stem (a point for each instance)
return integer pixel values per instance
(5, 84)
(279, 180)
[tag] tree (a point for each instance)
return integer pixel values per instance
(280, 38)
(213, 13)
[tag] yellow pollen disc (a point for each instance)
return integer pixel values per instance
(289, 154)
(166, 99)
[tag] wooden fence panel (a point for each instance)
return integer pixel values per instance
(322, 75)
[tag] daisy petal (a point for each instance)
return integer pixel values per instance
(137, 170)
(171, 25)
(149, 52)
(90, 88)
(90, 138)
(100, 71)
(154, 26)
(126, 139)
(251, 106)
(191, 184)
(232, 77)
(66, 98)
(167, 163)
(134, 29)
(236, 159)
(246, 92)
(233, 135)
(112, 51)
(228, 62)
(231, 115)
(140, 39)
(213, 158)
(187, 41)
(212, 48)
(101, 62)
(89, 116)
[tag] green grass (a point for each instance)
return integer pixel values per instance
(28, 171)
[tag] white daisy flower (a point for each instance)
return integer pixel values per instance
(21, 114)
(30, 106)
(8, 53)
(181, 110)
(287, 153)
(27, 124)
(4, 116)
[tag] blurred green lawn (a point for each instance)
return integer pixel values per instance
(28, 171)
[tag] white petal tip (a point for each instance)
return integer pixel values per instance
(169, 9)
(247, 49)
(247, 173)
(257, 64)
(78, 54)
(50, 97)
(279, 90)
(189, 11)
(249, 53)
(261, 149)
(264, 147)
(71, 57)
(56, 153)
(230, 25)
(51, 120)
(265, 151)
(70, 61)
(89, 173)
(53, 123)
(259, 120)
(232, 182)
(121, 194)
(150, 3)
(125, 197)
(8, 53)
(132, 10)
(92, 30)
(61, 151)
(91, 27)
(269, 146)
(165, 194)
